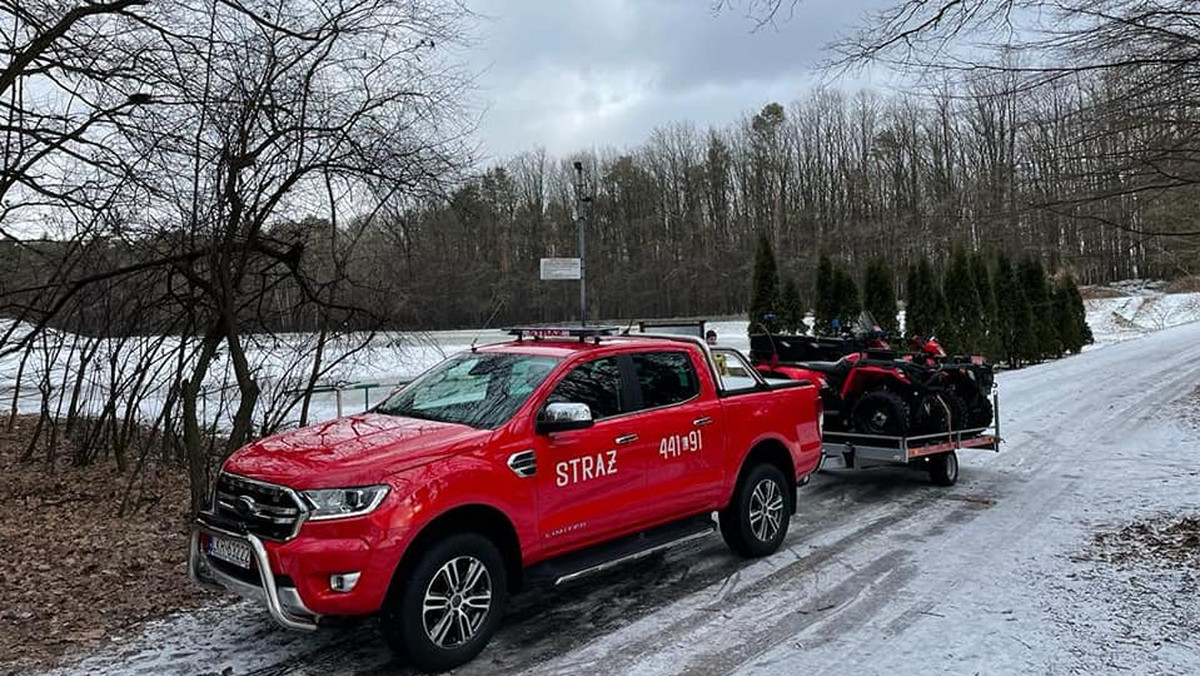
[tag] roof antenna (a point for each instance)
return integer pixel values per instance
(495, 311)
(628, 328)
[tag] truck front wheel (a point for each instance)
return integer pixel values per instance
(756, 520)
(450, 605)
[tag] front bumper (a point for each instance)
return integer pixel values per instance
(283, 601)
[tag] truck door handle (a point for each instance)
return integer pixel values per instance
(701, 422)
(627, 439)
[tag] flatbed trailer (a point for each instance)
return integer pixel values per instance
(934, 453)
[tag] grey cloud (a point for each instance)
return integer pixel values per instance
(578, 74)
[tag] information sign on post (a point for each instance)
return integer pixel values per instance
(560, 268)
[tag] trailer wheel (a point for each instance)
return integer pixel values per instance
(756, 520)
(943, 469)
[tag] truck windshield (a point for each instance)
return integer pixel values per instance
(482, 390)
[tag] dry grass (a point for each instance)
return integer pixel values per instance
(1165, 541)
(74, 573)
(1189, 284)
(1093, 292)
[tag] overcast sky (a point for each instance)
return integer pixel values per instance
(574, 74)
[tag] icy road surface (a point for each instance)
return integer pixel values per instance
(882, 573)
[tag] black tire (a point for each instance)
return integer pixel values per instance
(943, 469)
(981, 412)
(416, 634)
(881, 412)
(959, 418)
(932, 414)
(762, 485)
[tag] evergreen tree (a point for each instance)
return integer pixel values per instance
(1032, 278)
(912, 300)
(764, 295)
(1079, 313)
(1066, 331)
(989, 323)
(1074, 331)
(927, 303)
(826, 306)
(848, 305)
(879, 298)
(792, 308)
(1017, 337)
(964, 309)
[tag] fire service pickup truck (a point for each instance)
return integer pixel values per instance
(560, 453)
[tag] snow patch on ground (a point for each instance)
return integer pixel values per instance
(1113, 320)
(881, 573)
(1137, 606)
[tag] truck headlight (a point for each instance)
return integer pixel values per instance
(339, 503)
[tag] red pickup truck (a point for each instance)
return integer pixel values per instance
(560, 453)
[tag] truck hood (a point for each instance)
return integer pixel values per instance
(358, 450)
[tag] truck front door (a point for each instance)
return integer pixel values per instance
(592, 474)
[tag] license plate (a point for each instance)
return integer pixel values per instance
(229, 551)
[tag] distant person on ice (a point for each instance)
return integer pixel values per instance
(710, 337)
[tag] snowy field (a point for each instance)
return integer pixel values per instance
(395, 357)
(881, 573)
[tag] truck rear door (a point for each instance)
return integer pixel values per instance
(680, 433)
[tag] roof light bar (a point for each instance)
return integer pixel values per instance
(580, 332)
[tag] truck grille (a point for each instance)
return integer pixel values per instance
(248, 506)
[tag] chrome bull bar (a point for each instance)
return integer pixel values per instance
(284, 604)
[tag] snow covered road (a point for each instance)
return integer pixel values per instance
(882, 573)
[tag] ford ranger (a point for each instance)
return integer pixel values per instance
(535, 461)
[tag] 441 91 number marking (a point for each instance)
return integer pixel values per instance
(674, 445)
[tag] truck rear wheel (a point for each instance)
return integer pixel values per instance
(450, 605)
(756, 520)
(943, 469)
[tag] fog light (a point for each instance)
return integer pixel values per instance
(343, 582)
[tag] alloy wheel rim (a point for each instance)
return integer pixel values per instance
(879, 420)
(457, 601)
(766, 510)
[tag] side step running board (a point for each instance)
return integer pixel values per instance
(631, 547)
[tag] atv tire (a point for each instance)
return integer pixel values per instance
(959, 417)
(981, 413)
(933, 414)
(881, 412)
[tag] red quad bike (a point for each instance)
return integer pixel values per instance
(968, 380)
(876, 391)
(890, 397)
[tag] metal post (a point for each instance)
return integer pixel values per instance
(579, 224)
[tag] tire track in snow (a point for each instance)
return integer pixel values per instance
(701, 606)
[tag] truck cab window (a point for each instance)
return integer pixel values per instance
(596, 383)
(665, 378)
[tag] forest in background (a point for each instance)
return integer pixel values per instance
(672, 223)
(237, 196)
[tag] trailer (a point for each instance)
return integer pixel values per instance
(933, 453)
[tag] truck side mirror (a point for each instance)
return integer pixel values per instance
(564, 416)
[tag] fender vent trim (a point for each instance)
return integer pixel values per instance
(523, 464)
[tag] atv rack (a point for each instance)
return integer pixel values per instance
(863, 451)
